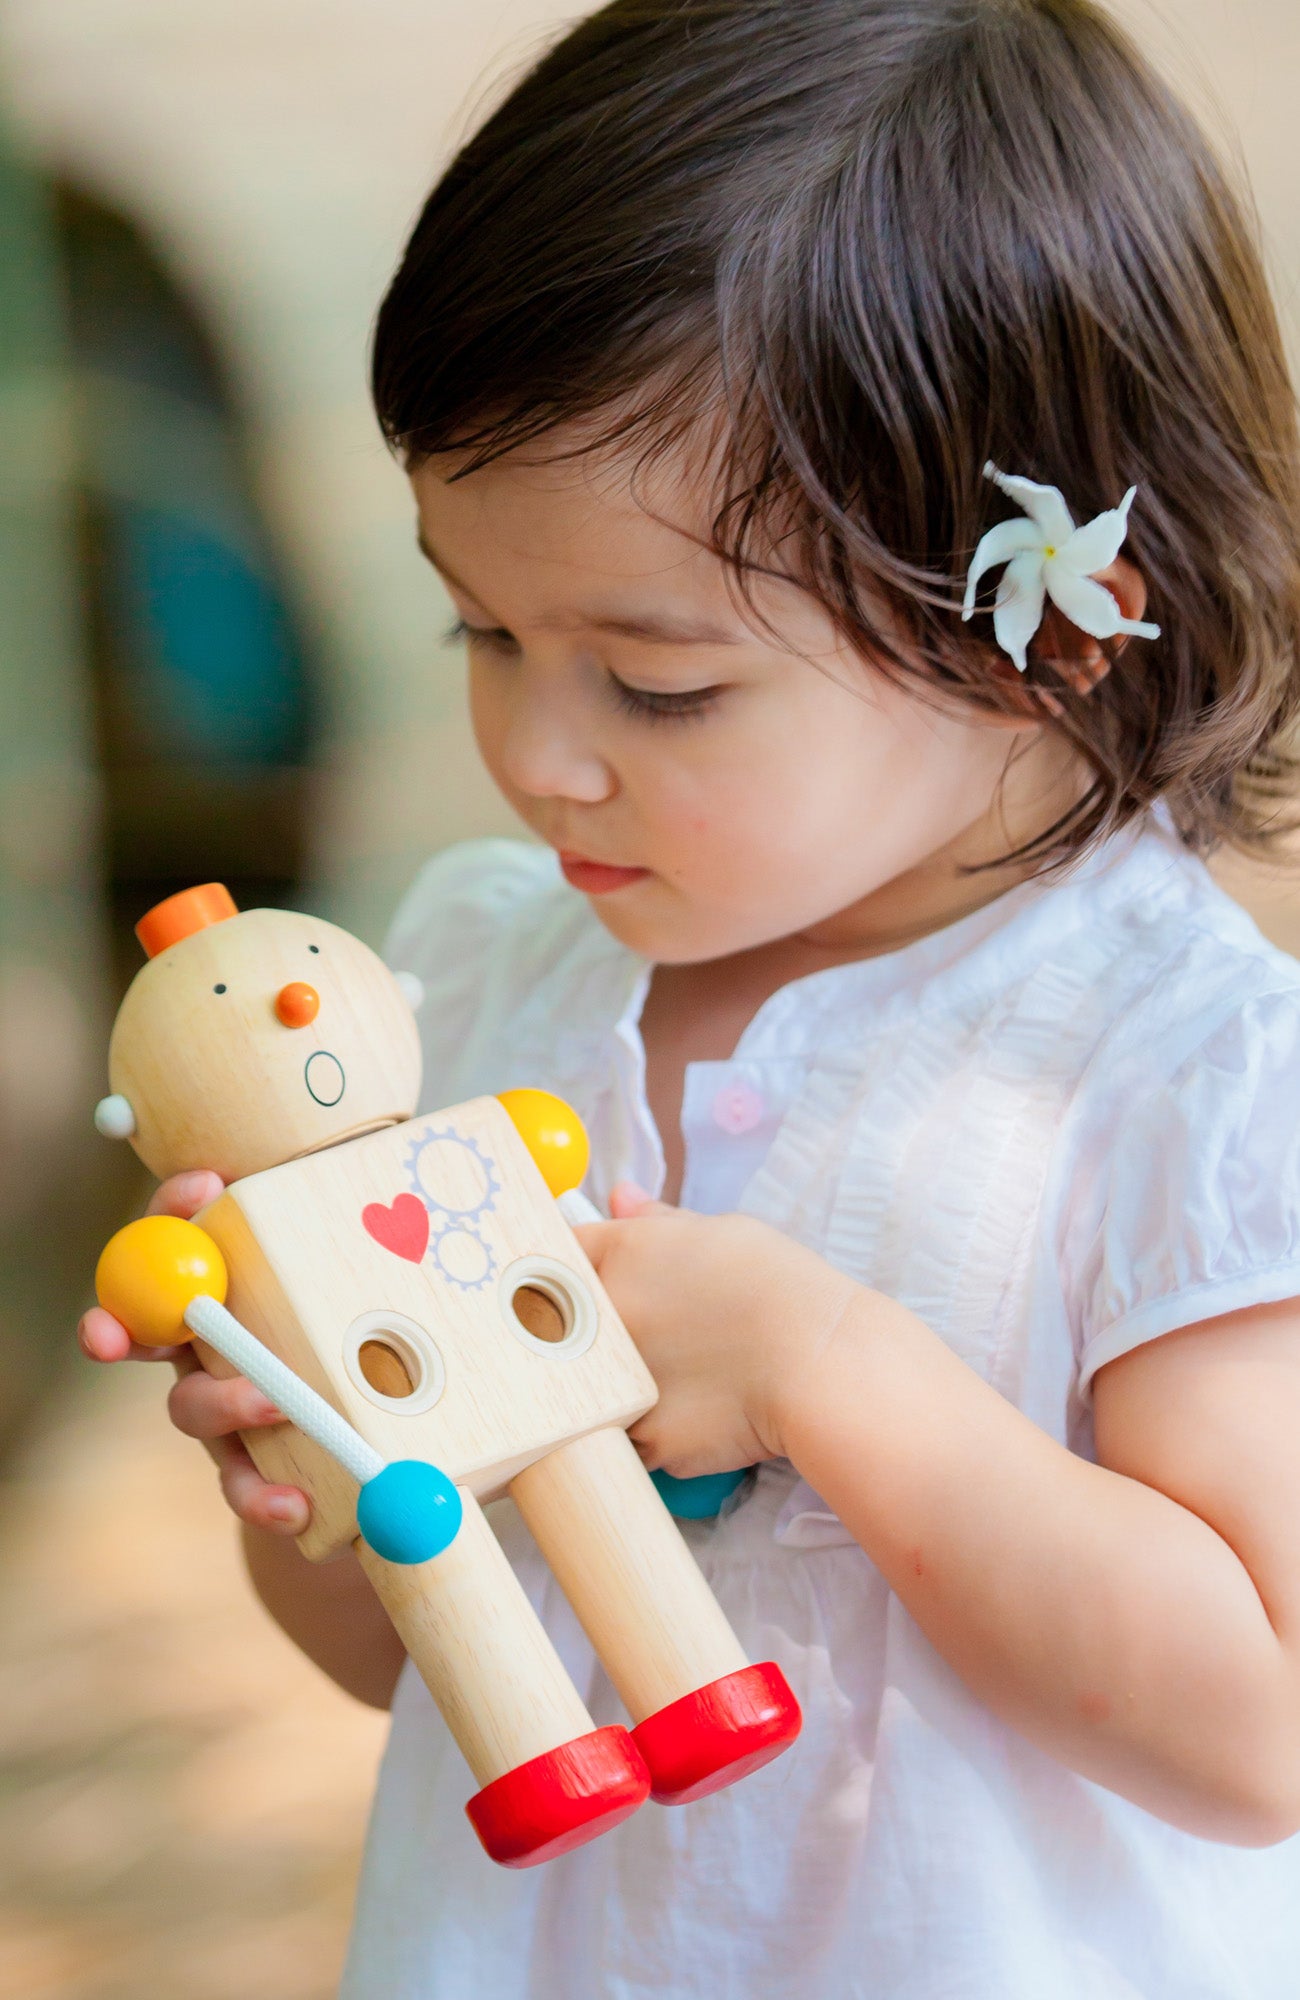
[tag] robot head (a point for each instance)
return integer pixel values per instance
(251, 1039)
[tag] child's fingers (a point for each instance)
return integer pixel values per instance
(628, 1203)
(185, 1194)
(278, 1510)
(628, 1199)
(205, 1408)
(592, 1236)
(103, 1338)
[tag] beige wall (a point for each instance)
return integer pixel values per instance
(1238, 63)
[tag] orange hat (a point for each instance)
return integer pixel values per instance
(181, 915)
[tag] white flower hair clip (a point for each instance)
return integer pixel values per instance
(1047, 556)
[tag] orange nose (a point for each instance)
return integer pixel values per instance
(297, 1004)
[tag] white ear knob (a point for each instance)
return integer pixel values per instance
(114, 1118)
(413, 987)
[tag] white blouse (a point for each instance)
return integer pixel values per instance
(1057, 1129)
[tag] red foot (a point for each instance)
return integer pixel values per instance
(561, 1799)
(718, 1734)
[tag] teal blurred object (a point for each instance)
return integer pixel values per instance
(203, 651)
(698, 1499)
(217, 670)
(201, 681)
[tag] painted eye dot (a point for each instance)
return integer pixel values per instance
(218, 989)
(313, 947)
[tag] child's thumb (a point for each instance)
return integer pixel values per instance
(628, 1200)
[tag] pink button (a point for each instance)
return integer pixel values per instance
(738, 1108)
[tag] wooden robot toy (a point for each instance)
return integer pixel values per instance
(409, 1293)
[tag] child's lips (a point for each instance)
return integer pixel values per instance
(597, 878)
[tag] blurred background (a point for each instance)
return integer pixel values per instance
(220, 658)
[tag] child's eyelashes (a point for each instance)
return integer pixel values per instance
(648, 702)
(663, 707)
(477, 635)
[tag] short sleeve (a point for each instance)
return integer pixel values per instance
(1195, 1202)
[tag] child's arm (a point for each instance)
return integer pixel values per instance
(1139, 1619)
(330, 1612)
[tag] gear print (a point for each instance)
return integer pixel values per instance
(458, 1184)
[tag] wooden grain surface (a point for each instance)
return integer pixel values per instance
(466, 1621)
(305, 1269)
(214, 1077)
(623, 1564)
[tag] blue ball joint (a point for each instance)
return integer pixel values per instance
(409, 1512)
(697, 1499)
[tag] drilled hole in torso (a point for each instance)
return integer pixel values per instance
(538, 1313)
(384, 1369)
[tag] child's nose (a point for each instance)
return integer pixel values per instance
(544, 755)
(297, 1004)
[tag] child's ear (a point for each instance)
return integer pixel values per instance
(1077, 656)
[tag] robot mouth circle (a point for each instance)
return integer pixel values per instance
(324, 1078)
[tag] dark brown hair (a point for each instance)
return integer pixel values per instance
(891, 240)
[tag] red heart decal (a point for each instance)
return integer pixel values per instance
(403, 1228)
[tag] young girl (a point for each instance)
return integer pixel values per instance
(872, 939)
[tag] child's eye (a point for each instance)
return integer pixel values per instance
(636, 701)
(665, 707)
(478, 635)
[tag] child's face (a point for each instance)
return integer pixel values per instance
(635, 714)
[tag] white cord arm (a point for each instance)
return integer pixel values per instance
(575, 1208)
(286, 1390)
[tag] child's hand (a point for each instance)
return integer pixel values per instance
(727, 1312)
(200, 1405)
